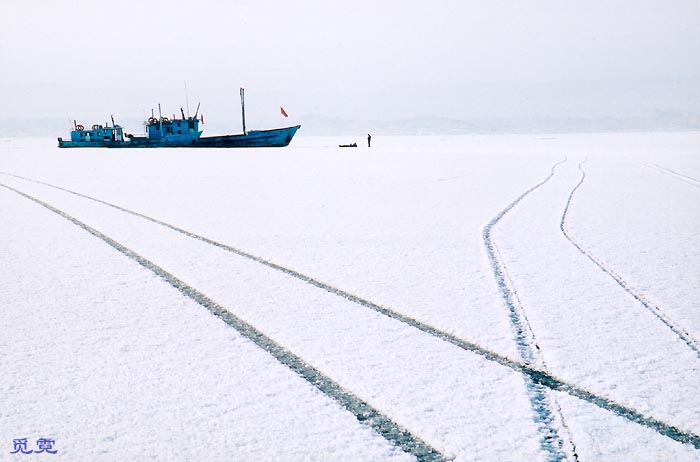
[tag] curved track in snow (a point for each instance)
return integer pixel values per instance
(555, 440)
(530, 373)
(651, 307)
(679, 176)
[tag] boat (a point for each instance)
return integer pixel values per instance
(162, 132)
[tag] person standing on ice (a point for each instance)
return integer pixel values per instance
(369, 140)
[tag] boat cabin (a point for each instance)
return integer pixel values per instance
(104, 134)
(176, 128)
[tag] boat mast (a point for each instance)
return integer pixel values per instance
(243, 110)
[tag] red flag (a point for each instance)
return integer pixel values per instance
(283, 111)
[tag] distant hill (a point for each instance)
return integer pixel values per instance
(431, 125)
(315, 124)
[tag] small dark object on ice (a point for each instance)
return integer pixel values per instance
(353, 145)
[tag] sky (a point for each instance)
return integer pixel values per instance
(367, 59)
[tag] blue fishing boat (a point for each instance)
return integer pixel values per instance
(162, 132)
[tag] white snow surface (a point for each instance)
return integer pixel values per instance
(112, 362)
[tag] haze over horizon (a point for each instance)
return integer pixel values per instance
(359, 59)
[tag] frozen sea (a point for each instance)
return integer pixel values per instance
(467, 298)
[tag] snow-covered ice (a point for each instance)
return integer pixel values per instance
(112, 362)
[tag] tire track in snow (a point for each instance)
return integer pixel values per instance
(679, 176)
(364, 413)
(536, 375)
(652, 308)
(555, 439)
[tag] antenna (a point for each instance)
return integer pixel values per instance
(187, 101)
(160, 122)
(197, 111)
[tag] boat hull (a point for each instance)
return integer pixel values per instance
(277, 137)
